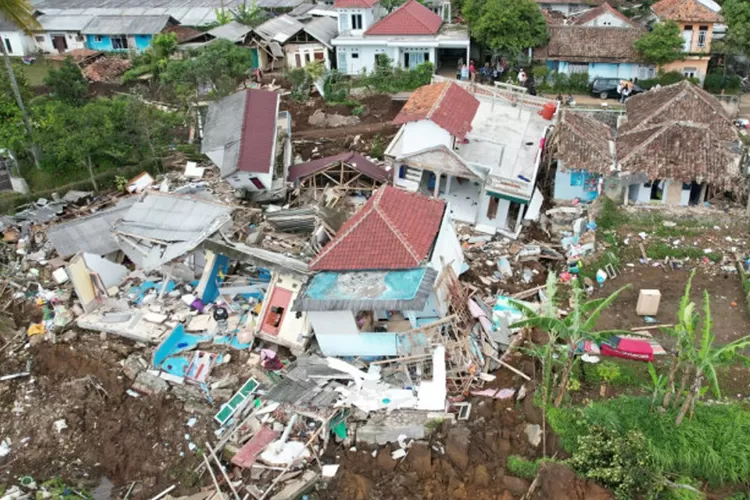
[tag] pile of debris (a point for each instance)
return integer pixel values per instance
(107, 69)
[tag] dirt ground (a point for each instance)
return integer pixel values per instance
(378, 109)
(109, 434)
(727, 303)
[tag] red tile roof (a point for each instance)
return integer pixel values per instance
(448, 105)
(258, 131)
(411, 18)
(356, 160)
(348, 4)
(395, 229)
(604, 8)
(686, 11)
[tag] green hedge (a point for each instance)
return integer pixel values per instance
(665, 79)
(716, 82)
(10, 201)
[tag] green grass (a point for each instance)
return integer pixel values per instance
(36, 72)
(523, 467)
(660, 251)
(713, 446)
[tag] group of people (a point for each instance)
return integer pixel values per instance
(624, 89)
(486, 74)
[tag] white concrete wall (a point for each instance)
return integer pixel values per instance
(607, 19)
(423, 134)
(305, 49)
(20, 44)
(447, 248)
(369, 17)
(639, 194)
(338, 335)
(366, 57)
(44, 41)
(499, 221)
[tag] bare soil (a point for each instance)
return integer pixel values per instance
(727, 302)
(378, 109)
(110, 434)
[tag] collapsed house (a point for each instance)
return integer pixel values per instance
(377, 278)
(252, 147)
(346, 173)
(675, 145)
(476, 147)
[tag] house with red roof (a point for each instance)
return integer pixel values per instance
(249, 139)
(408, 36)
(380, 275)
(474, 146)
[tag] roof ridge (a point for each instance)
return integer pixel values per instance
(661, 128)
(337, 240)
(418, 18)
(397, 233)
(436, 104)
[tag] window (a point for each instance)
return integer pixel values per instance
(578, 68)
(356, 21)
(492, 207)
(689, 72)
(98, 38)
(687, 38)
(355, 55)
(8, 46)
(256, 182)
(576, 178)
(119, 42)
(39, 38)
(702, 36)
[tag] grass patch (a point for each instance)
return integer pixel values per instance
(523, 467)
(631, 374)
(660, 251)
(36, 72)
(610, 217)
(714, 446)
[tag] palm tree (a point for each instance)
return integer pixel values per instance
(21, 14)
(577, 327)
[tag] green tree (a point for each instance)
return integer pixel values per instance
(215, 70)
(736, 41)
(661, 45)
(13, 135)
(249, 15)
(578, 326)
(68, 83)
(506, 26)
(21, 14)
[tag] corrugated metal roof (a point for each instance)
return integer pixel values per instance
(126, 25)
(279, 29)
(170, 218)
(323, 29)
(232, 31)
(91, 234)
(63, 23)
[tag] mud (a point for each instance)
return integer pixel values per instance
(110, 434)
(377, 109)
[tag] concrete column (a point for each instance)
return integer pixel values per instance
(448, 184)
(520, 217)
(436, 191)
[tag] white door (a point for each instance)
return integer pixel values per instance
(355, 62)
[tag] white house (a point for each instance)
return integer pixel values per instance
(380, 276)
(16, 42)
(408, 36)
(479, 152)
(247, 137)
(60, 33)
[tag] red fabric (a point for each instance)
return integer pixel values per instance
(448, 105)
(412, 18)
(629, 349)
(258, 131)
(394, 230)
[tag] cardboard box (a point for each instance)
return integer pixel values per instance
(648, 303)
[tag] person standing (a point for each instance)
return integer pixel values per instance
(464, 72)
(472, 71)
(458, 68)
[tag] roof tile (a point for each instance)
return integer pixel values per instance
(590, 44)
(356, 160)
(686, 11)
(446, 104)
(604, 8)
(411, 18)
(394, 230)
(348, 4)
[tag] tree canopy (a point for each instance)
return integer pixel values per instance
(661, 45)
(508, 26)
(737, 38)
(68, 83)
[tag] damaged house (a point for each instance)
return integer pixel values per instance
(249, 139)
(479, 152)
(675, 146)
(380, 277)
(347, 173)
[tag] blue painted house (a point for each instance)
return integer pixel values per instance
(599, 43)
(124, 33)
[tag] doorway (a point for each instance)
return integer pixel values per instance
(695, 194)
(59, 43)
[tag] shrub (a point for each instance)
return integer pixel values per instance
(578, 83)
(714, 445)
(716, 82)
(617, 461)
(540, 73)
(522, 467)
(560, 82)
